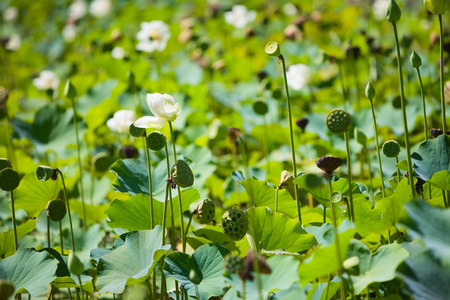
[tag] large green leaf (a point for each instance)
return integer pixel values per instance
(263, 195)
(432, 226)
(214, 234)
(431, 157)
(379, 267)
(52, 128)
(96, 95)
(85, 239)
(424, 277)
(29, 271)
(7, 238)
(134, 214)
(284, 272)
(131, 263)
(386, 212)
(33, 195)
(441, 180)
(207, 264)
(276, 231)
(132, 178)
(319, 190)
(324, 259)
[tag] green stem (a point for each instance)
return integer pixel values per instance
(341, 79)
(328, 286)
(243, 289)
(424, 105)
(444, 197)
(276, 198)
(70, 293)
(13, 215)
(164, 213)
(349, 171)
(150, 191)
(68, 210)
(81, 286)
(183, 240)
(380, 165)
(398, 170)
(405, 122)
(189, 224)
(288, 102)
(338, 247)
(170, 198)
(80, 168)
(369, 165)
(441, 57)
(266, 144)
(324, 214)
(61, 237)
(48, 232)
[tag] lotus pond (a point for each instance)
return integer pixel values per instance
(224, 150)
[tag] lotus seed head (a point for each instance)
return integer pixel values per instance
(328, 163)
(273, 49)
(391, 148)
(338, 120)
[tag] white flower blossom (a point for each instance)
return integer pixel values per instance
(239, 16)
(298, 76)
(289, 9)
(10, 14)
(69, 32)
(163, 107)
(153, 36)
(100, 8)
(379, 9)
(121, 120)
(14, 42)
(77, 9)
(46, 80)
(118, 53)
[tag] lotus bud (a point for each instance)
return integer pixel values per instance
(70, 91)
(393, 12)
(76, 267)
(437, 7)
(370, 91)
(415, 59)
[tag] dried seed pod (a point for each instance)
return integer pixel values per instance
(328, 163)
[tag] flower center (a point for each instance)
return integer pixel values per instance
(154, 35)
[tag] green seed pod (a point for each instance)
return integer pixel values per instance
(273, 49)
(360, 137)
(56, 210)
(235, 223)
(70, 91)
(437, 7)
(415, 59)
(336, 197)
(136, 131)
(260, 107)
(206, 211)
(370, 91)
(338, 120)
(393, 12)
(102, 161)
(233, 263)
(6, 289)
(44, 173)
(391, 148)
(4, 163)
(76, 267)
(9, 179)
(182, 175)
(156, 140)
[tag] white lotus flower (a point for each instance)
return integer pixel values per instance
(298, 76)
(47, 80)
(69, 32)
(153, 36)
(118, 53)
(163, 107)
(13, 43)
(239, 16)
(379, 9)
(121, 120)
(77, 9)
(10, 14)
(100, 8)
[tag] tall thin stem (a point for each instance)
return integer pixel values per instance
(398, 170)
(349, 171)
(405, 122)
(378, 148)
(291, 133)
(80, 168)
(13, 215)
(61, 237)
(369, 166)
(170, 197)
(150, 188)
(183, 239)
(441, 65)
(48, 232)
(424, 105)
(276, 198)
(68, 210)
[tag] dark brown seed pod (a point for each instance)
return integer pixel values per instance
(328, 163)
